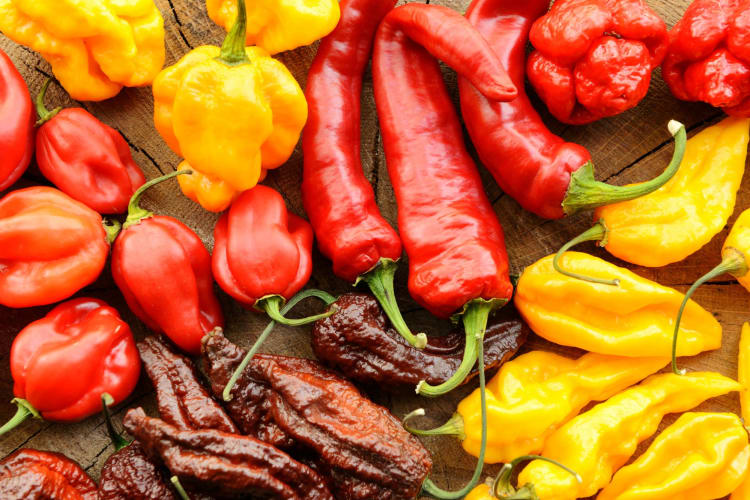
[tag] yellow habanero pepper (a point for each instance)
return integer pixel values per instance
(598, 442)
(230, 113)
(534, 394)
(700, 457)
(680, 217)
(279, 25)
(743, 375)
(635, 319)
(95, 47)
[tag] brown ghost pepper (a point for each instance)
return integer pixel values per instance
(359, 341)
(130, 474)
(29, 474)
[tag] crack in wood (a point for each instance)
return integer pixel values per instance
(32, 436)
(179, 24)
(96, 457)
(141, 150)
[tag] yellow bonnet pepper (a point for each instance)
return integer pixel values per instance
(635, 319)
(533, 395)
(95, 47)
(598, 442)
(743, 374)
(700, 457)
(230, 112)
(680, 217)
(279, 25)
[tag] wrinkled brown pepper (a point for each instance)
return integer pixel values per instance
(359, 341)
(130, 474)
(358, 444)
(42, 475)
(225, 464)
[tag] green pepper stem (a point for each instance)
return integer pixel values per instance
(502, 489)
(178, 486)
(326, 297)
(43, 113)
(431, 488)
(24, 411)
(233, 49)
(380, 281)
(475, 315)
(272, 304)
(453, 427)
(117, 439)
(135, 212)
(585, 192)
(735, 264)
(597, 232)
(112, 228)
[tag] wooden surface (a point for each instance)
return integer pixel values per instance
(630, 147)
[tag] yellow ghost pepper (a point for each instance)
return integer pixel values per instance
(636, 318)
(743, 375)
(279, 25)
(598, 442)
(95, 47)
(502, 488)
(230, 113)
(534, 394)
(700, 457)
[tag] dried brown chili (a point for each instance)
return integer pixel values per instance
(29, 474)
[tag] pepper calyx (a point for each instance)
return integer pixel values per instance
(233, 48)
(598, 232)
(453, 427)
(44, 114)
(135, 213)
(272, 305)
(503, 489)
(24, 411)
(112, 228)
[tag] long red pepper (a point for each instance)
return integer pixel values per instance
(16, 123)
(543, 173)
(337, 197)
(457, 257)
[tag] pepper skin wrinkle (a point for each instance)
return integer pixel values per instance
(29, 474)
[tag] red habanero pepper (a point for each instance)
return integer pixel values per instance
(162, 268)
(594, 58)
(86, 159)
(51, 246)
(543, 173)
(457, 256)
(262, 253)
(337, 197)
(61, 364)
(29, 474)
(709, 55)
(16, 123)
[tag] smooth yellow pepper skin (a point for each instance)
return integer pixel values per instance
(598, 442)
(737, 246)
(537, 392)
(636, 318)
(743, 376)
(95, 47)
(701, 456)
(279, 25)
(480, 492)
(683, 215)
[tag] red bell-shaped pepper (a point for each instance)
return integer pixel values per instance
(164, 272)
(61, 364)
(51, 246)
(16, 123)
(85, 158)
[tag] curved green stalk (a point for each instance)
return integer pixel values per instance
(178, 487)
(24, 411)
(41, 111)
(272, 304)
(453, 427)
(597, 232)
(135, 212)
(233, 49)
(117, 439)
(502, 489)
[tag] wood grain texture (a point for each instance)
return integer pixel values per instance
(632, 146)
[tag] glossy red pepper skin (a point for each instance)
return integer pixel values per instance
(260, 249)
(51, 246)
(337, 197)
(16, 123)
(29, 474)
(61, 364)
(709, 55)
(451, 234)
(594, 58)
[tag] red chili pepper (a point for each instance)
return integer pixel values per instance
(337, 197)
(29, 474)
(51, 246)
(16, 123)
(546, 175)
(61, 364)
(594, 58)
(709, 55)
(164, 272)
(455, 244)
(86, 159)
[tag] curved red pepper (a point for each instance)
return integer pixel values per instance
(85, 158)
(709, 55)
(164, 272)
(16, 123)
(455, 244)
(61, 364)
(51, 246)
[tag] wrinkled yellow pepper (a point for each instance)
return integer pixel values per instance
(279, 25)
(536, 393)
(743, 375)
(230, 113)
(636, 318)
(598, 442)
(95, 47)
(701, 456)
